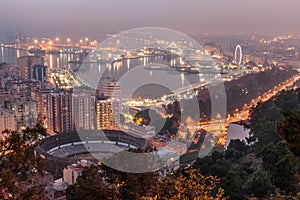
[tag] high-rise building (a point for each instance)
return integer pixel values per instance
(38, 72)
(22, 89)
(7, 121)
(110, 88)
(107, 113)
(59, 111)
(26, 113)
(41, 98)
(83, 107)
(9, 70)
(25, 62)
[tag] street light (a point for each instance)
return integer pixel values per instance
(57, 39)
(68, 40)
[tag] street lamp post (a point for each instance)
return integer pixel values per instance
(87, 41)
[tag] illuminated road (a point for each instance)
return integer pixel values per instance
(218, 128)
(65, 79)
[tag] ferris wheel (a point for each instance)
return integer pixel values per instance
(238, 51)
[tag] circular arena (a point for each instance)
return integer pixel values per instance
(67, 148)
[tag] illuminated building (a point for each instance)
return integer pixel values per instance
(38, 72)
(110, 88)
(22, 89)
(7, 121)
(59, 111)
(143, 131)
(8, 70)
(41, 98)
(83, 106)
(26, 114)
(107, 113)
(26, 62)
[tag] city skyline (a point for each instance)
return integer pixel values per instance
(152, 99)
(77, 18)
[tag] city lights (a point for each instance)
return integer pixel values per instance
(65, 104)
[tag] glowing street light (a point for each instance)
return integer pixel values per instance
(68, 40)
(87, 41)
(43, 41)
(80, 41)
(36, 41)
(57, 39)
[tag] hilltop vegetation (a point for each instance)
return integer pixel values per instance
(243, 90)
(267, 165)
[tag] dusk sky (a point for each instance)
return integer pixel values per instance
(77, 17)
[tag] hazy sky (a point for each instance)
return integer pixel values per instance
(54, 17)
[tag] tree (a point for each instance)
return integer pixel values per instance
(101, 182)
(289, 129)
(18, 162)
(133, 185)
(236, 149)
(92, 185)
(261, 186)
(286, 174)
(103, 178)
(187, 184)
(288, 101)
(265, 166)
(234, 185)
(282, 166)
(264, 134)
